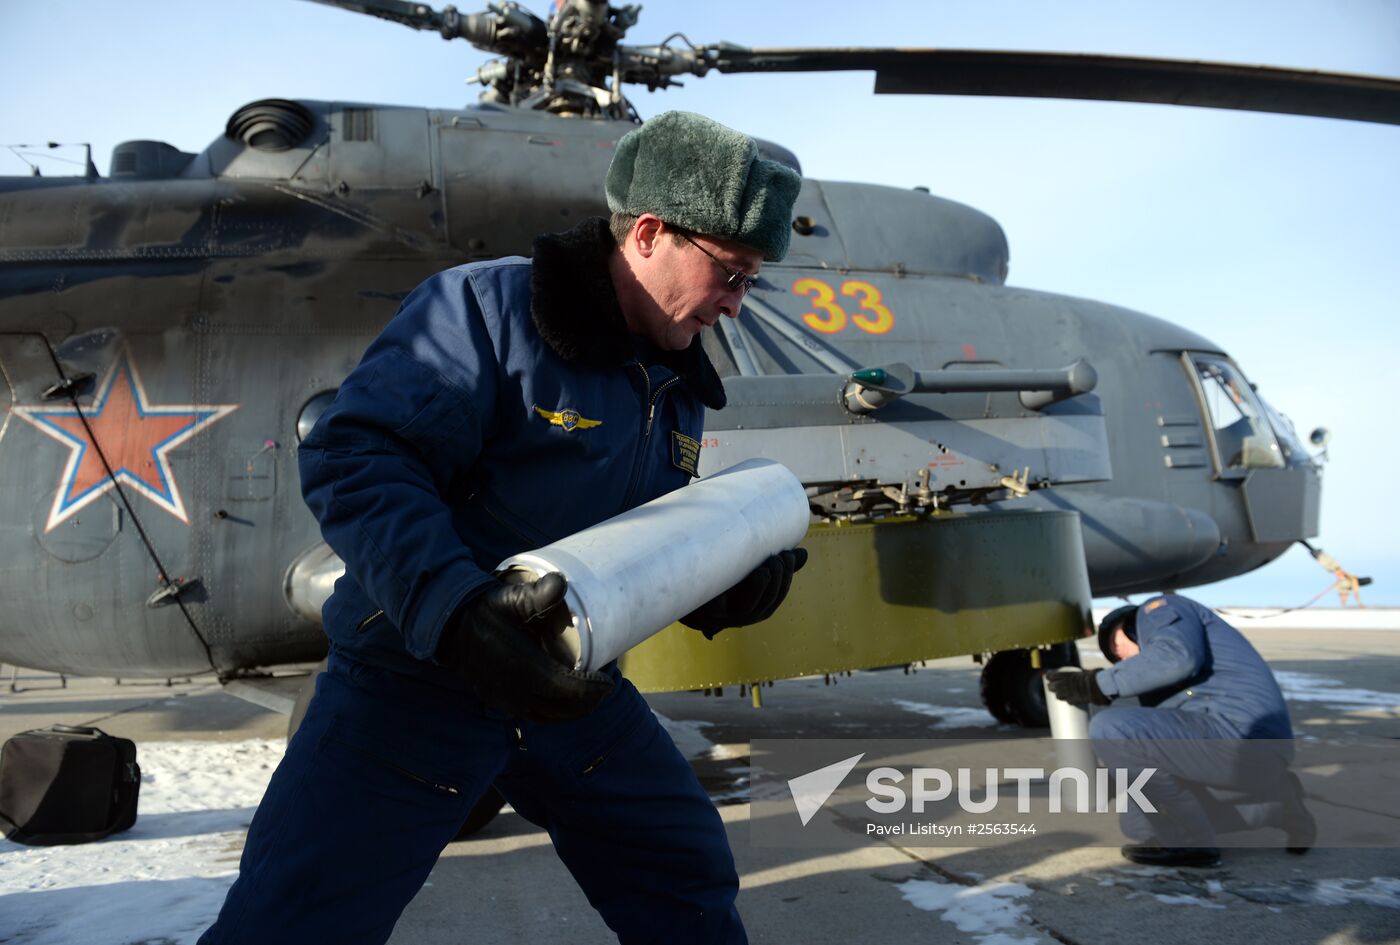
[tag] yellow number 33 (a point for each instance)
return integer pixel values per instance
(833, 317)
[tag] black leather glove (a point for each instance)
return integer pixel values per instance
(1076, 686)
(753, 599)
(499, 643)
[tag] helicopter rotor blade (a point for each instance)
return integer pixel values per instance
(504, 29)
(419, 16)
(1096, 77)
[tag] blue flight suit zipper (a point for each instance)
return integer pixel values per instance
(650, 398)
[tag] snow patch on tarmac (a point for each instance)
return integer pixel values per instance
(1309, 687)
(950, 716)
(1184, 887)
(165, 878)
(688, 735)
(989, 912)
(1182, 899)
(1378, 891)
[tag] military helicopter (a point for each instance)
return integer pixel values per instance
(953, 433)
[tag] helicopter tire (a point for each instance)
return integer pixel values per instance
(483, 811)
(992, 688)
(1011, 688)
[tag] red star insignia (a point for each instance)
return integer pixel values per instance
(136, 438)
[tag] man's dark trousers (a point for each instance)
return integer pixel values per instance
(1208, 779)
(381, 775)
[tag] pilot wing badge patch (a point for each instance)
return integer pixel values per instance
(569, 419)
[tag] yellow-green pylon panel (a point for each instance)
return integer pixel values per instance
(891, 593)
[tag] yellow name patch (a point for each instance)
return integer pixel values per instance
(685, 453)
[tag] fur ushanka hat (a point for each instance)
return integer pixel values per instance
(699, 175)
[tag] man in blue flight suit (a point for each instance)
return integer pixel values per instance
(1211, 720)
(508, 404)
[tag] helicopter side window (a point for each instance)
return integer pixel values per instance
(1243, 437)
(311, 412)
(1293, 449)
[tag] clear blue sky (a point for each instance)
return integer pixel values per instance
(1277, 237)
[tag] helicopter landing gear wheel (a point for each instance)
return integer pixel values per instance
(992, 687)
(1011, 687)
(483, 811)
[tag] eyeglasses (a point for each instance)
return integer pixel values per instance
(734, 278)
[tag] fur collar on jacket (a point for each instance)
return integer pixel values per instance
(575, 309)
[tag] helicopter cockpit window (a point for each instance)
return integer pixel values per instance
(1293, 449)
(1243, 437)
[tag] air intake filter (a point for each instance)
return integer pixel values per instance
(272, 124)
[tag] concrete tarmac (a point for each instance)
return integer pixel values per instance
(506, 885)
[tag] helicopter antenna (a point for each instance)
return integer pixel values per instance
(89, 169)
(33, 168)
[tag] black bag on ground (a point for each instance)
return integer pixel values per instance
(67, 784)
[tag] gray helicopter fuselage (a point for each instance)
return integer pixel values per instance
(203, 308)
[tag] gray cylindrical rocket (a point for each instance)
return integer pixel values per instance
(637, 573)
